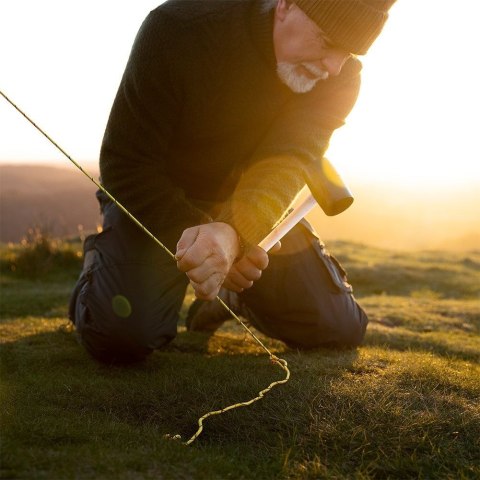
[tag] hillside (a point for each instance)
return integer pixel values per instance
(56, 199)
(401, 217)
(396, 217)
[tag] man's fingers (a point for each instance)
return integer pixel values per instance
(206, 254)
(186, 241)
(258, 256)
(229, 285)
(247, 270)
(276, 247)
(252, 264)
(204, 261)
(209, 289)
(197, 247)
(239, 280)
(202, 273)
(197, 253)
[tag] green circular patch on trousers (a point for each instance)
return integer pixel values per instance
(121, 306)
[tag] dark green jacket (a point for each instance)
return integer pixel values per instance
(200, 115)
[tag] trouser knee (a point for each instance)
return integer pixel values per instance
(122, 312)
(334, 328)
(329, 327)
(304, 298)
(110, 337)
(112, 347)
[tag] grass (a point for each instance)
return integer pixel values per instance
(404, 405)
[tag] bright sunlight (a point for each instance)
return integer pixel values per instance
(415, 122)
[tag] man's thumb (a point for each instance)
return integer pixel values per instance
(186, 241)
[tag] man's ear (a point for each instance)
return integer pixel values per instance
(281, 9)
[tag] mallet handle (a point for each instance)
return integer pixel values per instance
(303, 204)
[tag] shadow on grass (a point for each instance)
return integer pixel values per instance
(168, 391)
(57, 398)
(80, 419)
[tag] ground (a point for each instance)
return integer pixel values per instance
(404, 405)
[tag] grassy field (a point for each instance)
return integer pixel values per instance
(404, 405)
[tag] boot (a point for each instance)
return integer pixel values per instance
(206, 316)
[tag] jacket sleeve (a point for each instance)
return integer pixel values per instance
(133, 157)
(299, 136)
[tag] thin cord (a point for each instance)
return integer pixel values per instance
(116, 202)
(273, 358)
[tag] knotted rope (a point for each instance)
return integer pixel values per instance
(273, 358)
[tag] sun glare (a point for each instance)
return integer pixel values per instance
(416, 119)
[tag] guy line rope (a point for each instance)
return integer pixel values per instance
(273, 358)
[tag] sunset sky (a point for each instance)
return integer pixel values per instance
(416, 120)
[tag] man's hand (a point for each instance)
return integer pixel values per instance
(248, 269)
(206, 254)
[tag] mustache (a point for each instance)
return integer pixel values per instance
(315, 70)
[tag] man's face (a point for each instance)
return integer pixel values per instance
(303, 52)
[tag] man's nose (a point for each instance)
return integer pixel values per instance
(333, 62)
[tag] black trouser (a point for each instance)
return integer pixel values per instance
(126, 302)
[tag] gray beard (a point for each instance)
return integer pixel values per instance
(297, 82)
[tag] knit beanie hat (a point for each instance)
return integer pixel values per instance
(352, 25)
